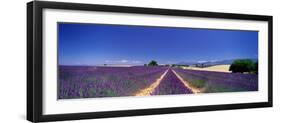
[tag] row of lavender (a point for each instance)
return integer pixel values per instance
(89, 82)
(210, 82)
(170, 84)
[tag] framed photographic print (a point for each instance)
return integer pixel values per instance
(95, 61)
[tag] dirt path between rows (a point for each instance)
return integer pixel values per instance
(149, 90)
(186, 84)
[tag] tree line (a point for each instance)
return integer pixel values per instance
(244, 65)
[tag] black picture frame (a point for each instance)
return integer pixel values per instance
(35, 69)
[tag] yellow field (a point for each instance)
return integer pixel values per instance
(217, 68)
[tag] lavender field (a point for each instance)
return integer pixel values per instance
(87, 82)
(94, 82)
(211, 82)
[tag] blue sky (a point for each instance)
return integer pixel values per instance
(97, 44)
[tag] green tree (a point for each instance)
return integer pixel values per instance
(152, 63)
(242, 65)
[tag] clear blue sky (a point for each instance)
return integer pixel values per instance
(96, 44)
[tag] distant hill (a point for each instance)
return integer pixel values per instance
(211, 63)
(186, 63)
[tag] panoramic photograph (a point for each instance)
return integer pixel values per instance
(104, 60)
